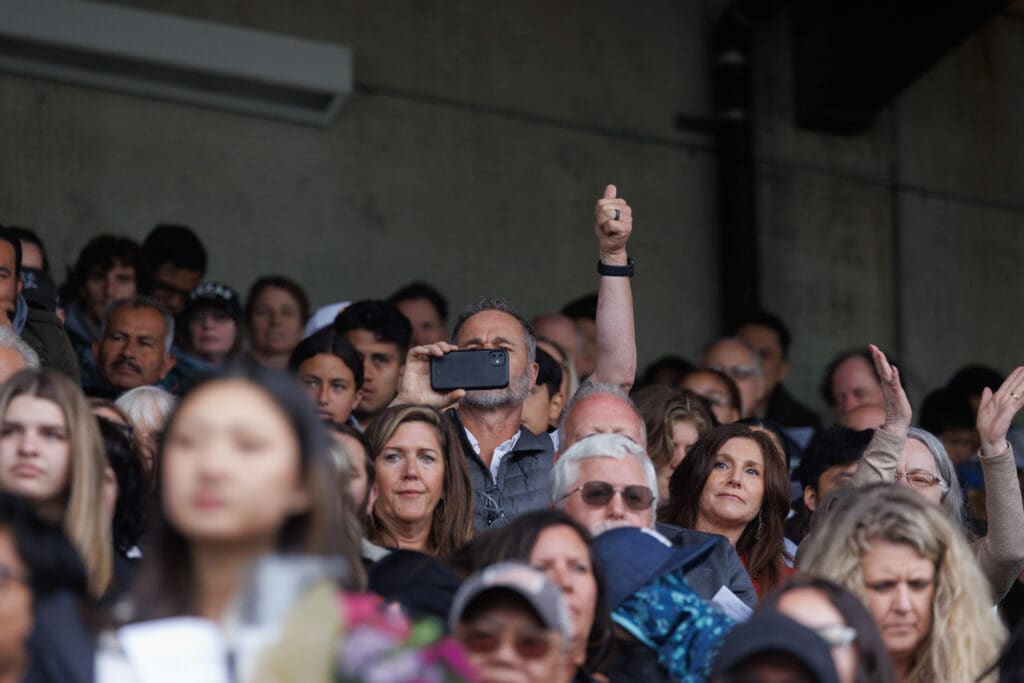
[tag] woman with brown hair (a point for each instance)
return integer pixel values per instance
(276, 311)
(674, 420)
(733, 482)
(423, 493)
(51, 454)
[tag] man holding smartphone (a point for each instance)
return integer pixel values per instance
(509, 465)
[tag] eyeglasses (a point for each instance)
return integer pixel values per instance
(600, 493)
(527, 644)
(837, 635)
(919, 479)
(737, 372)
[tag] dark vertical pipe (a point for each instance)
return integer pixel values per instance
(737, 219)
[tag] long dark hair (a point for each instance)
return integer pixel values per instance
(873, 662)
(452, 522)
(760, 545)
(133, 484)
(166, 583)
(516, 540)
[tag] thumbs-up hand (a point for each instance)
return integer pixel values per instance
(613, 223)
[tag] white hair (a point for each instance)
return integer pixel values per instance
(566, 471)
(9, 339)
(147, 407)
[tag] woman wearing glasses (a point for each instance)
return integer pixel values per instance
(842, 621)
(423, 499)
(915, 458)
(913, 571)
(733, 482)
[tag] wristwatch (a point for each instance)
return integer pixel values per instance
(616, 271)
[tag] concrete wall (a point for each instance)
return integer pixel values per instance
(910, 235)
(471, 156)
(481, 135)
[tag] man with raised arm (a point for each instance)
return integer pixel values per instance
(510, 466)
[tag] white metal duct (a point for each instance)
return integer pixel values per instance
(187, 60)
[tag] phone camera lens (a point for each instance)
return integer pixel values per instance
(496, 358)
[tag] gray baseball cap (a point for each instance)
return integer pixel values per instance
(531, 585)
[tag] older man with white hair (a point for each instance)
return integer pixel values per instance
(606, 480)
(147, 408)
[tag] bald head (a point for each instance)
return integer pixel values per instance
(601, 412)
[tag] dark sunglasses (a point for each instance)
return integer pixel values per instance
(483, 641)
(600, 493)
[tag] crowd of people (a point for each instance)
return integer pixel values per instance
(197, 487)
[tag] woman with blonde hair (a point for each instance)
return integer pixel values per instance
(917, 459)
(51, 454)
(901, 555)
(423, 495)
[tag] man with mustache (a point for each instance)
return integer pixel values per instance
(133, 347)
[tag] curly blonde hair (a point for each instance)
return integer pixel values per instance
(965, 634)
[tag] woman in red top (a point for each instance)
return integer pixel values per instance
(733, 482)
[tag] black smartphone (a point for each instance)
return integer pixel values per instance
(471, 369)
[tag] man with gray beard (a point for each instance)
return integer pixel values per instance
(510, 466)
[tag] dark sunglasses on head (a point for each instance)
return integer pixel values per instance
(484, 641)
(600, 493)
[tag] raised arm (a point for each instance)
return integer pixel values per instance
(616, 332)
(1001, 551)
(883, 453)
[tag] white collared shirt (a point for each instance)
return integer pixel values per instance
(502, 449)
